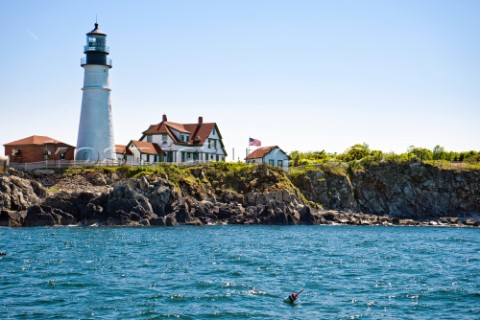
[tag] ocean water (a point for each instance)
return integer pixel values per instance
(240, 272)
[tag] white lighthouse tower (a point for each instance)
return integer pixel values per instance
(95, 134)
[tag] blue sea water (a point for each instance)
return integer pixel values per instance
(240, 272)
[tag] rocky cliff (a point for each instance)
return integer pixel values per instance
(404, 190)
(405, 193)
(218, 194)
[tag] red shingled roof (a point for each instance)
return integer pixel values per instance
(147, 147)
(122, 149)
(200, 130)
(36, 140)
(260, 152)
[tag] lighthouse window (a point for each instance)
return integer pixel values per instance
(92, 41)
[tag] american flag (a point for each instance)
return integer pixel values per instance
(254, 142)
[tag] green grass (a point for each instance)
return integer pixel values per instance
(238, 177)
(458, 166)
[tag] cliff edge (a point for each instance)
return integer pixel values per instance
(232, 193)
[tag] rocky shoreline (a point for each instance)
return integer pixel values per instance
(265, 197)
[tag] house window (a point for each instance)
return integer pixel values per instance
(271, 162)
(62, 156)
(215, 144)
(187, 138)
(149, 138)
(214, 132)
(280, 163)
(164, 138)
(188, 155)
(209, 143)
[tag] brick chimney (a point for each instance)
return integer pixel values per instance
(164, 118)
(200, 120)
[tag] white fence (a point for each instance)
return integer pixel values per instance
(64, 164)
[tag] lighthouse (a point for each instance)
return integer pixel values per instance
(95, 134)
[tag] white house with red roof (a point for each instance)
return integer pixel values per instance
(145, 151)
(123, 154)
(271, 155)
(180, 142)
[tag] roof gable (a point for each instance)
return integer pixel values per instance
(199, 132)
(261, 152)
(122, 149)
(147, 147)
(202, 131)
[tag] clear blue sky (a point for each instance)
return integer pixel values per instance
(304, 75)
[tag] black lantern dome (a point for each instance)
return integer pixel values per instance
(96, 49)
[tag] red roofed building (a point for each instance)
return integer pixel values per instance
(183, 142)
(38, 148)
(272, 155)
(123, 154)
(145, 151)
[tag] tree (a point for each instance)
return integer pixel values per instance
(295, 156)
(356, 152)
(438, 153)
(422, 153)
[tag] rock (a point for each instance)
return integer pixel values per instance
(123, 200)
(10, 218)
(17, 194)
(332, 190)
(99, 180)
(404, 190)
(407, 222)
(64, 202)
(159, 221)
(471, 222)
(38, 217)
(388, 193)
(182, 213)
(449, 220)
(160, 198)
(170, 221)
